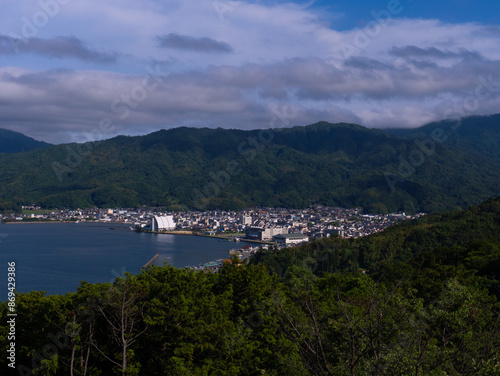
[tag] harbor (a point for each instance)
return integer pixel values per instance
(56, 258)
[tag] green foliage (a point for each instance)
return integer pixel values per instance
(465, 239)
(9, 207)
(426, 303)
(331, 164)
(478, 135)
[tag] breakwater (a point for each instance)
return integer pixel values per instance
(148, 264)
(193, 233)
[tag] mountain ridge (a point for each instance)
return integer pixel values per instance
(479, 135)
(15, 142)
(202, 168)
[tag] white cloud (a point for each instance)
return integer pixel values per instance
(406, 73)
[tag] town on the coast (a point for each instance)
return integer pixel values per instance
(258, 228)
(264, 225)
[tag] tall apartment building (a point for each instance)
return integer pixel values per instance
(246, 220)
(259, 233)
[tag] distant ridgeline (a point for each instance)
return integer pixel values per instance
(441, 166)
(14, 142)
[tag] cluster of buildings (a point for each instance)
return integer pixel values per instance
(278, 225)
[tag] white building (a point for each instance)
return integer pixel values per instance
(162, 223)
(260, 233)
(246, 220)
(290, 238)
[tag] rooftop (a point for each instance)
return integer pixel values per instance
(291, 236)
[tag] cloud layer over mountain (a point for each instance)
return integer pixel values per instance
(74, 70)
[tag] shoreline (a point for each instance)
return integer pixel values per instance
(186, 232)
(34, 222)
(191, 233)
(116, 252)
(58, 222)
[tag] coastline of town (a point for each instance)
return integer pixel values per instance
(263, 226)
(316, 221)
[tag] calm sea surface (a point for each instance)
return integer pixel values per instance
(56, 257)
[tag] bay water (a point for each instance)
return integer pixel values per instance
(56, 257)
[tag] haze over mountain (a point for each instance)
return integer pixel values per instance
(376, 63)
(331, 164)
(479, 135)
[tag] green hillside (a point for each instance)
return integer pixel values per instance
(478, 135)
(332, 164)
(458, 240)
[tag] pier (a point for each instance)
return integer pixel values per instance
(148, 264)
(197, 233)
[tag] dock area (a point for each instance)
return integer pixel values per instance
(197, 233)
(148, 264)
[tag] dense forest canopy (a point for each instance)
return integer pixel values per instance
(435, 169)
(420, 298)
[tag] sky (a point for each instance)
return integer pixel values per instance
(76, 71)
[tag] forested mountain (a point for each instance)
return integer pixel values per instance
(332, 164)
(478, 135)
(14, 142)
(425, 304)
